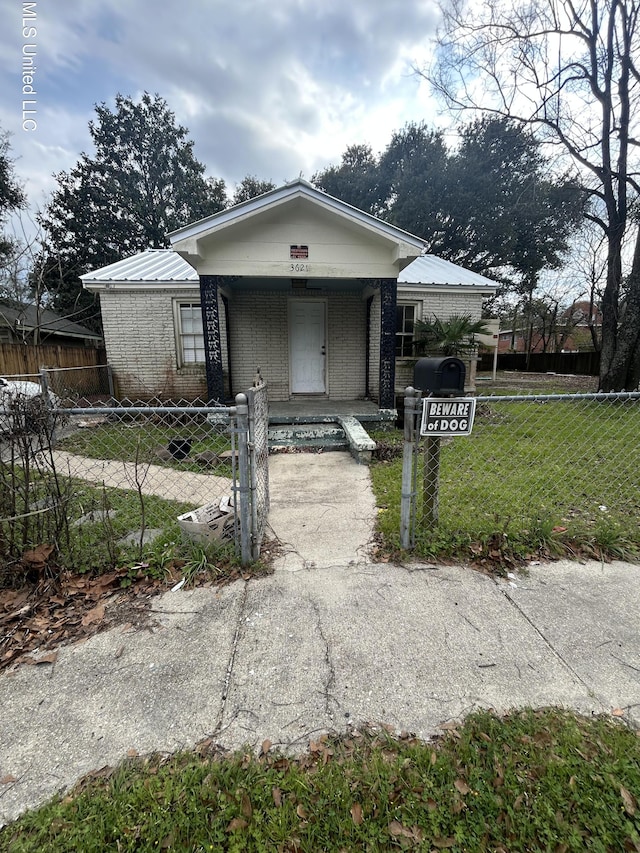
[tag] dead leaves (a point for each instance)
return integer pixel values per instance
(461, 786)
(38, 558)
(413, 833)
(237, 824)
(629, 801)
(96, 614)
(37, 618)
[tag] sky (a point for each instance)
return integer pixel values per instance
(271, 88)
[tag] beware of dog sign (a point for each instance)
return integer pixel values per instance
(448, 415)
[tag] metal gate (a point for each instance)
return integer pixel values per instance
(252, 472)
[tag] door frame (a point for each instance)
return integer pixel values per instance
(324, 302)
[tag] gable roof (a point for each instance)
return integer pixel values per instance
(298, 189)
(24, 316)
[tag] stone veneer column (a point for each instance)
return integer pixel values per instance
(212, 341)
(386, 395)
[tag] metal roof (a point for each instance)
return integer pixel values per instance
(151, 265)
(165, 265)
(429, 269)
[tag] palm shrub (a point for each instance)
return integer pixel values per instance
(454, 336)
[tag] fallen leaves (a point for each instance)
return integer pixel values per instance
(629, 801)
(96, 614)
(38, 557)
(37, 618)
(461, 786)
(266, 746)
(413, 833)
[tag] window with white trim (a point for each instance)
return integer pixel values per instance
(405, 321)
(189, 334)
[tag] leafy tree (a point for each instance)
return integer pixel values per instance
(413, 175)
(355, 180)
(142, 182)
(569, 71)
(250, 187)
(454, 336)
(490, 204)
(506, 211)
(12, 197)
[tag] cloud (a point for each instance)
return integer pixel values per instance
(271, 89)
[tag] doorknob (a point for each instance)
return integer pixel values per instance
(323, 351)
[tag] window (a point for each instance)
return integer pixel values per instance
(405, 319)
(189, 334)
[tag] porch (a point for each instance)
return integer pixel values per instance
(321, 424)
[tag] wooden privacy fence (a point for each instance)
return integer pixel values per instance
(18, 359)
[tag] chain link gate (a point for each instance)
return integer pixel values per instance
(252, 484)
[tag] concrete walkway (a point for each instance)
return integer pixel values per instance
(161, 480)
(322, 509)
(327, 641)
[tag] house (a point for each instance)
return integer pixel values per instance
(320, 296)
(22, 323)
(571, 331)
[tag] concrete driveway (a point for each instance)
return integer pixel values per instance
(329, 640)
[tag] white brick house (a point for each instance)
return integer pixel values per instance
(320, 296)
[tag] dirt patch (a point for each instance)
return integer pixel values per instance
(547, 383)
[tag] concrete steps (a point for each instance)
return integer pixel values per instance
(343, 433)
(328, 436)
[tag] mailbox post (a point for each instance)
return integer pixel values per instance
(442, 378)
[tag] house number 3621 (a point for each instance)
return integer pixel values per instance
(299, 267)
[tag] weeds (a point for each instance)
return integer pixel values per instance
(533, 781)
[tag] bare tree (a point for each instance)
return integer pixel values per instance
(568, 69)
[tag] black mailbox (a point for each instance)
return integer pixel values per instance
(440, 376)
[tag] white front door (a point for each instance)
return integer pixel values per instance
(307, 346)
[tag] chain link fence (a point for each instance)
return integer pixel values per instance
(535, 469)
(82, 385)
(129, 480)
(258, 401)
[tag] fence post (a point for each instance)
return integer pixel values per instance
(44, 384)
(407, 500)
(112, 390)
(242, 421)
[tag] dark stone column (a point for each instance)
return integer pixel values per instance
(367, 363)
(212, 342)
(388, 290)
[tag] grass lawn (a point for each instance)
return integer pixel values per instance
(551, 478)
(141, 439)
(536, 780)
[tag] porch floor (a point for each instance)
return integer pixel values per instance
(322, 410)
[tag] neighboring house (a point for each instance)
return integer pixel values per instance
(572, 332)
(26, 324)
(320, 296)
